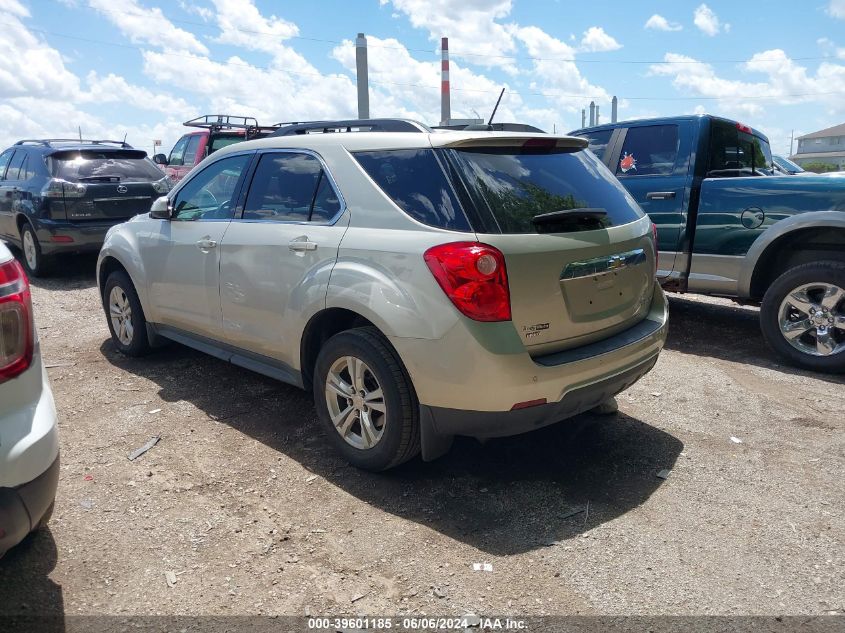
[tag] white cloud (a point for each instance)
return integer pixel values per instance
(241, 24)
(836, 8)
(471, 26)
(707, 21)
(189, 7)
(658, 23)
(595, 40)
(786, 83)
(561, 79)
(147, 26)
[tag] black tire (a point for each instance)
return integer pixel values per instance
(41, 265)
(137, 344)
(400, 439)
(823, 272)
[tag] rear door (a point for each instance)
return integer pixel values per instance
(182, 255)
(108, 184)
(653, 165)
(276, 257)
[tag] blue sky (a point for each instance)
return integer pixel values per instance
(141, 67)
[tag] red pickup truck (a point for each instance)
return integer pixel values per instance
(215, 131)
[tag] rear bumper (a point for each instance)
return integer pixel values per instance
(468, 384)
(87, 237)
(23, 507)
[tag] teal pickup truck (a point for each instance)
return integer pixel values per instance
(728, 226)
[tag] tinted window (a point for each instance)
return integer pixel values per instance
(27, 170)
(285, 188)
(598, 141)
(4, 161)
(649, 151)
(177, 154)
(208, 194)
(104, 166)
(511, 188)
(219, 142)
(414, 179)
(734, 152)
(15, 165)
(191, 149)
(326, 203)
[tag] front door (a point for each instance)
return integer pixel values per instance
(182, 255)
(649, 168)
(276, 258)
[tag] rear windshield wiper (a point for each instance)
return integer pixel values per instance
(99, 178)
(586, 213)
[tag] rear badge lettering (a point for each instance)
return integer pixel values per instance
(533, 331)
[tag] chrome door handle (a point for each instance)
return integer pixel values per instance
(205, 244)
(302, 245)
(660, 195)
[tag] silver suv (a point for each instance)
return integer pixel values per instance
(424, 284)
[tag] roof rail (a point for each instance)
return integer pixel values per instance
(491, 127)
(48, 142)
(350, 125)
(216, 122)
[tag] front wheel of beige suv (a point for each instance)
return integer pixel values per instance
(365, 400)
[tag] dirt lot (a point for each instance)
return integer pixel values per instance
(252, 513)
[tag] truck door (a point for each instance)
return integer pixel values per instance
(652, 163)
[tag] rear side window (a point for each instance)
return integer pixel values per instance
(650, 150)
(734, 152)
(598, 142)
(219, 141)
(5, 157)
(510, 188)
(103, 166)
(290, 187)
(414, 179)
(27, 170)
(15, 165)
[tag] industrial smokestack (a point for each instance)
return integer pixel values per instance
(583, 117)
(363, 78)
(592, 113)
(614, 105)
(445, 101)
(597, 115)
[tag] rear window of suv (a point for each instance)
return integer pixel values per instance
(92, 165)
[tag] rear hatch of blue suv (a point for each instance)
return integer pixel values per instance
(62, 197)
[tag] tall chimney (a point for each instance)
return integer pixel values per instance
(583, 117)
(597, 115)
(445, 102)
(363, 79)
(592, 113)
(614, 105)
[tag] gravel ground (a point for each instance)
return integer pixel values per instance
(245, 510)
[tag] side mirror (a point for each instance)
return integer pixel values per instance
(160, 159)
(161, 209)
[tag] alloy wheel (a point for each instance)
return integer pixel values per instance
(120, 312)
(30, 251)
(356, 402)
(812, 319)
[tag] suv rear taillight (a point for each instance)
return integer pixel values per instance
(58, 188)
(17, 337)
(474, 277)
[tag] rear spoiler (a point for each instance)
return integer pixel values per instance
(547, 141)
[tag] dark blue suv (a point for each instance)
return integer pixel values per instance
(61, 196)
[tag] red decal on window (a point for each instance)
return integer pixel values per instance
(628, 163)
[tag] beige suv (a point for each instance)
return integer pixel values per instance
(423, 284)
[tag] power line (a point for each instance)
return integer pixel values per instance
(457, 53)
(424, 86)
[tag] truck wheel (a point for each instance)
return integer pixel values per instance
(803, 316)
(124, 314)
(366, 401)
(36, 264)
